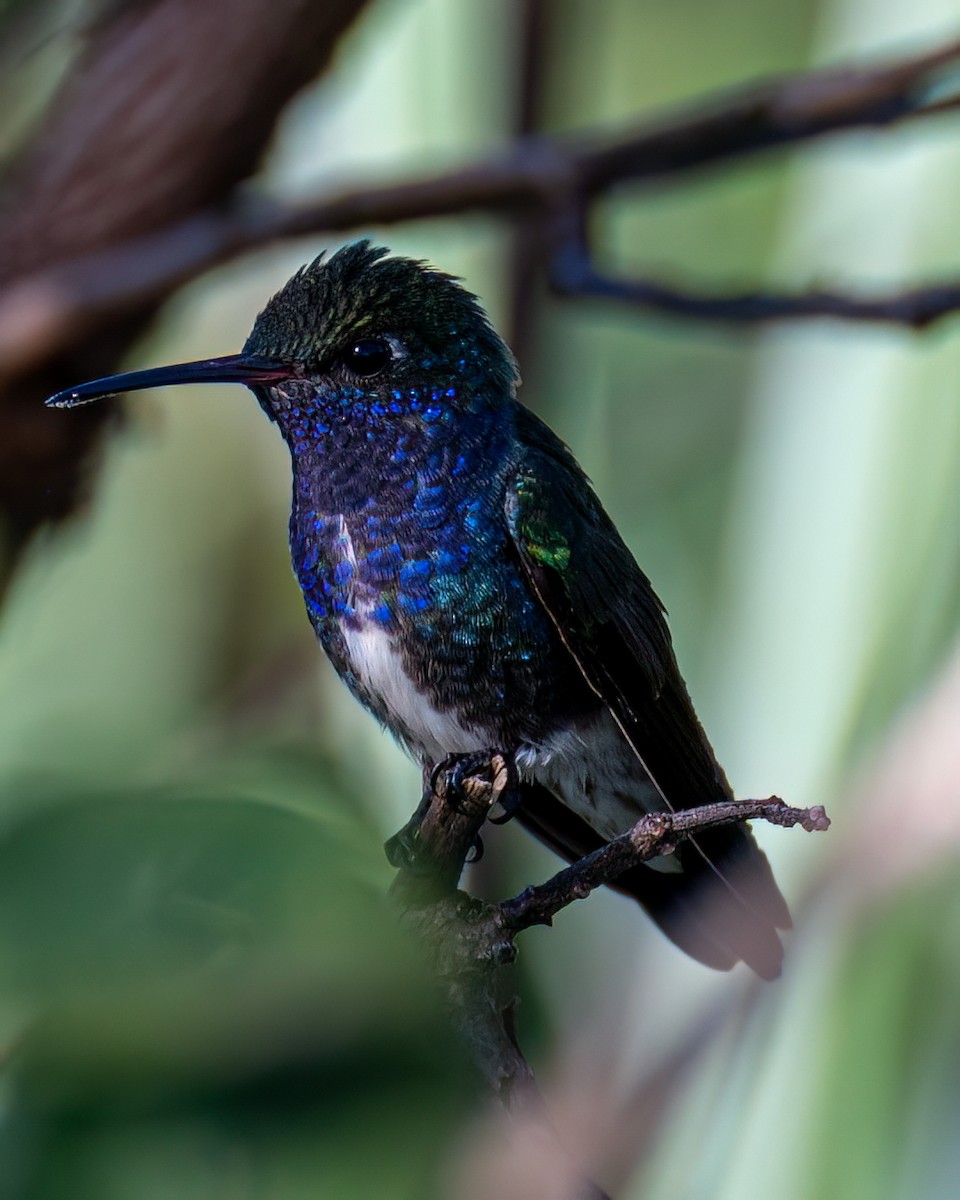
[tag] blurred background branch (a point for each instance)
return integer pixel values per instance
(167, 107)
(573, 274)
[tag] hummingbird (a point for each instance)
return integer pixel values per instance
(469, 588)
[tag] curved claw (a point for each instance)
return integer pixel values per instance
(475, 853)
(509, 798)
(510, 803)
(438, 770)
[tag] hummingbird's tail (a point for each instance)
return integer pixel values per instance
(721, 908)
(724, 906)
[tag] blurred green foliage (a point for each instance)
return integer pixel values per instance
(210, 996)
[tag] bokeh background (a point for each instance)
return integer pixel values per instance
(203, 991)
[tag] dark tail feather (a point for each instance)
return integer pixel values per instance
(723, 907)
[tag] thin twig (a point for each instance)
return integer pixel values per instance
(653, 835)
(166, 109)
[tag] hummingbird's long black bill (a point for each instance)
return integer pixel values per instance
(232, 368)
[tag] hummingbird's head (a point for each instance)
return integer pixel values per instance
(363, 318)
(354, 329)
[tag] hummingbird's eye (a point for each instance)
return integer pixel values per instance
(368, 356)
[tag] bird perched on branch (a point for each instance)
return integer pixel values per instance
(469, 588)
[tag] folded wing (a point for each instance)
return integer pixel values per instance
(724, 905)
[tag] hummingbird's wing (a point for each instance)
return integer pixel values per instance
(724, 905)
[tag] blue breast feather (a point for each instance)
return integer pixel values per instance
(398, 520)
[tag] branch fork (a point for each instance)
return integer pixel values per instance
(471, 941)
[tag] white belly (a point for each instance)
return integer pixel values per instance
(432, 735)
(592, 770)
(377, 665)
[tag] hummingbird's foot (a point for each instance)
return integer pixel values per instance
(456, 769)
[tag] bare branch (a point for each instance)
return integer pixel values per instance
(653, 835)
(430, 852)
(471, 941)
(572, 274)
